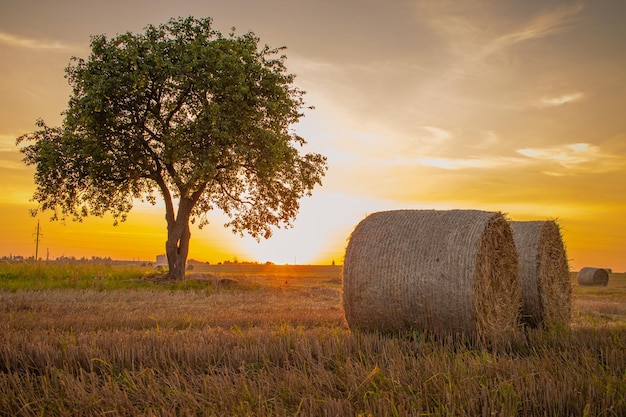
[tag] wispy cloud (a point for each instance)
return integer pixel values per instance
(567, 154)
(8, 164)
(7, 143)
(436, 135)
(472, 42)
(21, 42)
(561, 100)
(546, 24)
(462, 163)
(576, 158)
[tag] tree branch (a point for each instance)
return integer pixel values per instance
(232, 197)
(167, 198)
(179, 104)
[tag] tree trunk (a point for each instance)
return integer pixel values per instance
(177, 249)
(177, 245)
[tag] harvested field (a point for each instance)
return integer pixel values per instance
(274, 343)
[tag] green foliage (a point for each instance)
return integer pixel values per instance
(184, 112)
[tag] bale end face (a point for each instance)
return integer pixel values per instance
(497, 295)
(544, 273)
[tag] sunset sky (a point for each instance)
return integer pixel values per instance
(511, 106)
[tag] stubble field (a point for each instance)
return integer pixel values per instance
(266, 340)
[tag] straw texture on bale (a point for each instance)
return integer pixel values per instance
(593, 276)
(442, 271)
(544, 273)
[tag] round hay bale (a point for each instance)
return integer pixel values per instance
(443, 271)
(593, 276)
(544, 273)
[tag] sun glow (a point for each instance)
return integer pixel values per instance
(318, 236)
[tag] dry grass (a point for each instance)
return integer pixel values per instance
(263, 347)
(605, 306)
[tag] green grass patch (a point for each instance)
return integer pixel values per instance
(74, 275)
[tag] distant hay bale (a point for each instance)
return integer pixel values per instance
(544, 273)
(593, 276)
(443, 271)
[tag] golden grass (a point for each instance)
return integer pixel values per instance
(266, 347)
(605, 305)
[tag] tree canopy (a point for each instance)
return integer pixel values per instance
(181, 111)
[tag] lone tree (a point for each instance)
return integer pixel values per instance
(182, 111)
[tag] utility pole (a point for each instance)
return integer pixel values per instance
(37, 243)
